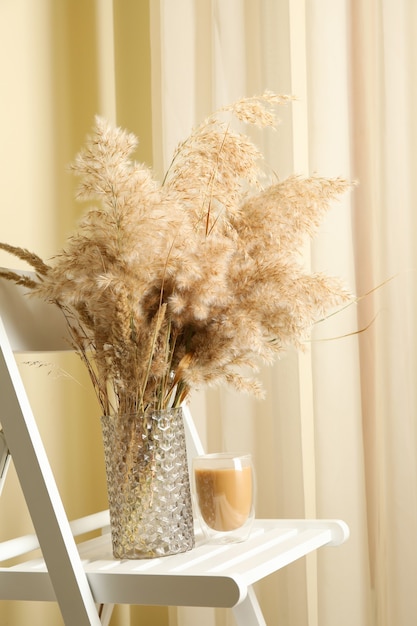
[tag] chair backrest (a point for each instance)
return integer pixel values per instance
(31, 324)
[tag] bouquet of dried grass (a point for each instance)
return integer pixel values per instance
(167, 287)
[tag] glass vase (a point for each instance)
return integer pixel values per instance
(148, 484)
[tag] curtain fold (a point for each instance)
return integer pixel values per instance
(384, 148)
(343, 582)
(313, 405)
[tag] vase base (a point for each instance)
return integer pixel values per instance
(146, 553)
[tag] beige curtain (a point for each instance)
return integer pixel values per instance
(337, 435)
(384, 148)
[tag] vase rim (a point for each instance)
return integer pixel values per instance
(150, 411)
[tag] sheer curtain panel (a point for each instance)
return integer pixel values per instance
(337, 434)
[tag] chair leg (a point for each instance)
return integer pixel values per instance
(248, 612)
(105, 613)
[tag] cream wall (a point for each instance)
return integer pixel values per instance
(59, 66)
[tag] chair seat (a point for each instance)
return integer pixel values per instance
(209, 575)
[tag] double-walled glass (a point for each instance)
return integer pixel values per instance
(224, 494)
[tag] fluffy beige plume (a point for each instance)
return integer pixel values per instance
(170, 286)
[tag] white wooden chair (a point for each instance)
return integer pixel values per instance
(84, 578)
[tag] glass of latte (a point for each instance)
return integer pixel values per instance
(224, 487)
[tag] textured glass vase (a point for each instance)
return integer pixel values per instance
(148, 484)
